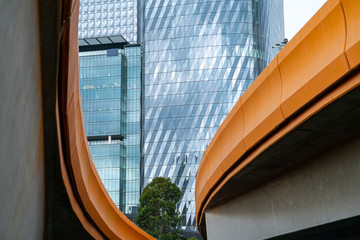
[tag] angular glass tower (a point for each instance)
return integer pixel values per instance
(199, 57)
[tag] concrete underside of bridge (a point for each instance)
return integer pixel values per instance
(313, 190)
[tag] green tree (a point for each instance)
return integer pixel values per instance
(157, 213)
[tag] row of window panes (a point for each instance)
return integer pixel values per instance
(132, 186)
(102, 116)
(106, 142)
(190, 87)
(108, 128)
(175, 148)
(133, 129)
(107, 150)
(218, 41)
(133, 51)
(108, 161)
(194, 75)
(206, 53)
(111, 185)
(200, 64)
(217, 37)
(101, 72)
(203, 66)
(177, 134)
(100, 82)
(133, 72)
(174, 140)
(101, 60)
(204, 75)
(132, 198)
(182, 98)
(90, 93)
(133, 151)
(174, 159)
(102, 105)
(97, 94)
(109, 173)
(179, 100)
(180, 4)
(133, 116)
(133, 94)
(133, 162)
(134, 63)
(178, 124)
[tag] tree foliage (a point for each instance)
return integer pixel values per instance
(157, 213)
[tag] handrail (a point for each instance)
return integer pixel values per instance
(289, 90)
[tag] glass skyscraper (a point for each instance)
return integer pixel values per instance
(199, 57)
(110, 86)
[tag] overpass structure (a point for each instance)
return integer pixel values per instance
(285, 163)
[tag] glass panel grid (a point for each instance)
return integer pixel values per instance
(199, 58)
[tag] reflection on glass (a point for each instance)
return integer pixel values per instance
(110, 91)
(199, 57)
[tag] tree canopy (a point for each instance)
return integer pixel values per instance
(157, 213)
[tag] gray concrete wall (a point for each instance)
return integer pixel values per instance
(320, 191)
(22, 188)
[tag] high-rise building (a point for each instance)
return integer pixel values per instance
(199, 57)
(110, 77)
(110, 87)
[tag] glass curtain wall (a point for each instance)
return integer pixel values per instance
(199, 57)
(102, 82)
(108, 18)
(133, 129)
(110, 87)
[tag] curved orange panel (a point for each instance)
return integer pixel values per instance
(305, 71)
(314, 59)
(261, 105)
(352, 12)
(88, 196)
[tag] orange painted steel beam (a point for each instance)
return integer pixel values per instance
(88, 196)
(325, 50)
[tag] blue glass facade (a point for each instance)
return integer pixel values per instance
(110, 83)
(199, 57)
(102, 82)
(133, 129)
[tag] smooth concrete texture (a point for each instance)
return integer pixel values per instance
(321, 190)
(22, 187)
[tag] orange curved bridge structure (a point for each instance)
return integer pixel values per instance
(303, 111)
(88, 196)
(301, 107)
